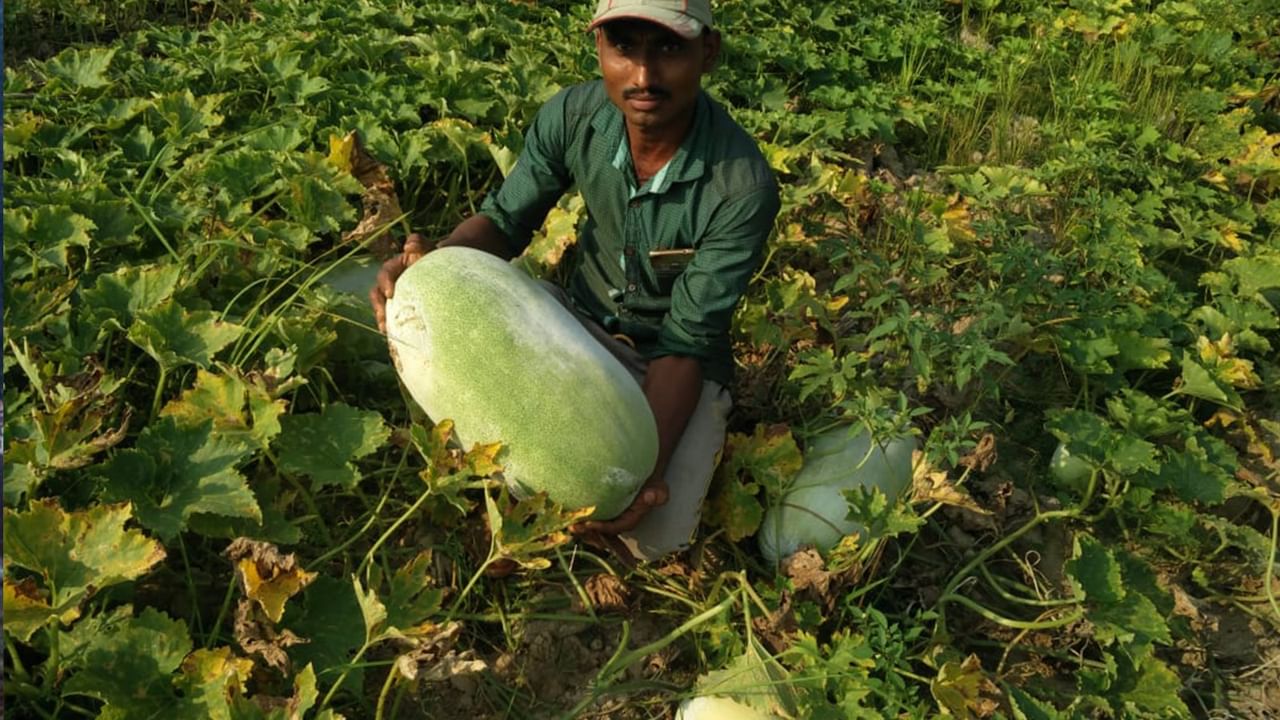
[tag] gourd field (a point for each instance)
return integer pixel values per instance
(1039, 239)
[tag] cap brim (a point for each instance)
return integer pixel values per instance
(678, 23)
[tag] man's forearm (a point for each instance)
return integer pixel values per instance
(480, 233)
(672, 386)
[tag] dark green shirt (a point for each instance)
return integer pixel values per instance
(716, 196)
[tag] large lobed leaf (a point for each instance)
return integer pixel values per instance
(74, 554)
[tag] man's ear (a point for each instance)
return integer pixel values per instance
(710, 50)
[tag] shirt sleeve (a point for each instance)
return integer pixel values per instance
(537, 181)
(706, 293)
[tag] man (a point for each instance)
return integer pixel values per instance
(680, 202)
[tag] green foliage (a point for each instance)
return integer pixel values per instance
(1046, 223)
(175, 472)
(73, 554)
(322, 446)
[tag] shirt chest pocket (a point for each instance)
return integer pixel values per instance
(666, 266)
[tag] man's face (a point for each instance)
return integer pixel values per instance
(652, 74)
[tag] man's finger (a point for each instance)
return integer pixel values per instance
(416, 245)
(386, 282)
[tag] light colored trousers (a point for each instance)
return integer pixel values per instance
(670, 527)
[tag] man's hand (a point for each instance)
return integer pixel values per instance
(385, 286)
(476, 232)
(672, 385)
(651, 495)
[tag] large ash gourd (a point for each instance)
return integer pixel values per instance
(813, 510)
(478, 341)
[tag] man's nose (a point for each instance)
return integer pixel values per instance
(643, 73)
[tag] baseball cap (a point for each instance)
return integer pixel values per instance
(685, 18)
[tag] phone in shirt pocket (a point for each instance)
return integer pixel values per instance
(668, 264)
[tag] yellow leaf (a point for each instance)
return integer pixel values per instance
(931, 484)
(959, 686)
(340, 151)
(207, 666)
(267, 577)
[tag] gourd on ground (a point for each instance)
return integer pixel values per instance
(717, 708)
(1068, 468)
(813, 511)
(478, 341)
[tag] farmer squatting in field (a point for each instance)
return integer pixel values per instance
(680, 203)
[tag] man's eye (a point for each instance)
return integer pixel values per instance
(672, 48)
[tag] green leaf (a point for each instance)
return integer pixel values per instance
(372, 610)
(1088, 353)
(1254, 274)
(82, 68)
(322, 446)
(230, 403)
(958, 686)
(1152, 691)
(175, 337)
(19, 479)
(412, 600)
(1140, 351)
(41, 238)
(1096, 570)
(318, 204)
(882, 518)
(75, 554)
(734, 507)
(1133, 620)
(175, 472)
(1201, 472)
(754, 679)
(525, 530)
(240, 174)
(1027, 707)
(118, 297)
(129, 665)
(187, 117)
(1091, 437)
(1145, 416)
(211, 678)
(27, 609)
(324, 614)
(1198, 382)
(768, 459)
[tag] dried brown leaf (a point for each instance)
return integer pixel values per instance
(266, 576)
(607, 593)
(258, 636)
(981, 458)
(932, 485)
(381, 205)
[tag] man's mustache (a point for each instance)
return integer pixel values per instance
(649, 92)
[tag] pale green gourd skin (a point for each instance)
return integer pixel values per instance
(813, 510)
(717, 708)
(479, 342)
(1067, 468)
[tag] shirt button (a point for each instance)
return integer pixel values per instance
(635, 203)
(631, 287)
(628, 251)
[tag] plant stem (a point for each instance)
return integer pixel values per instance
(1268, 580)
(212, 637)
(382, 695)
(373, 516)
(1010, 622)
(191, 586)
(155, 400)
(368, 557)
